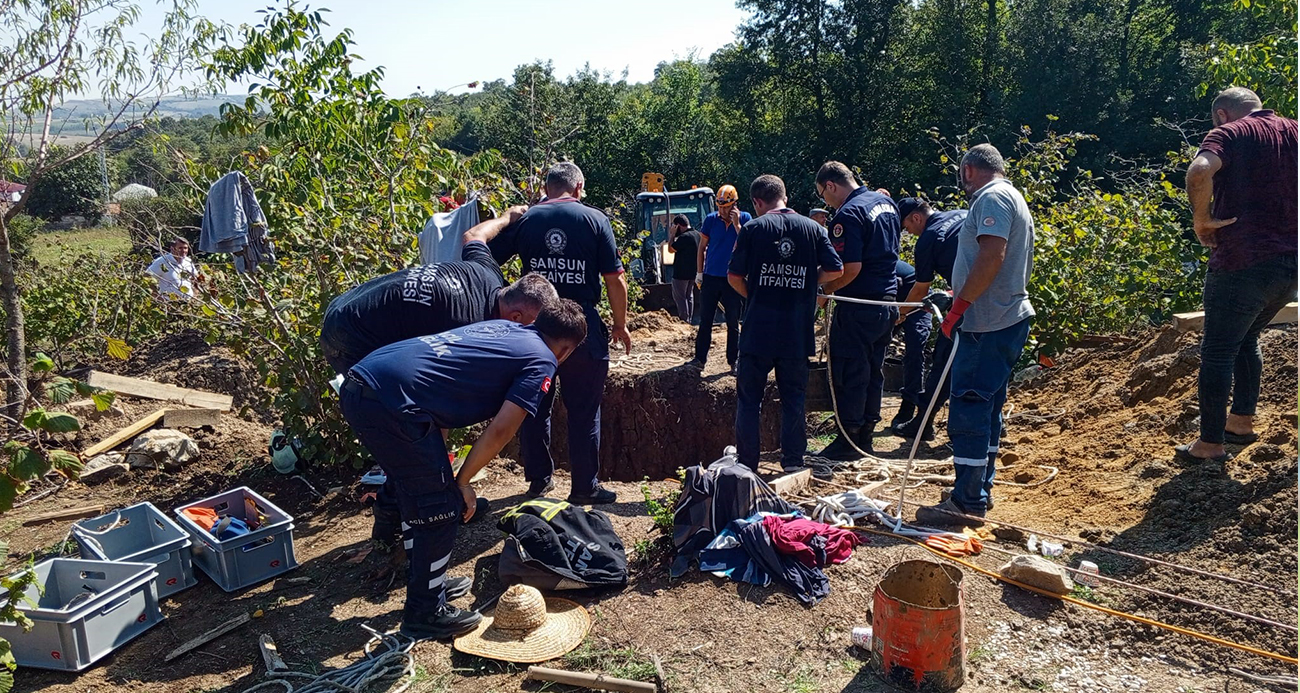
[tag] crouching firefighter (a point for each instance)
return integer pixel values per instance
(399, 397)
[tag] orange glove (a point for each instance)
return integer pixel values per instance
(957, 548)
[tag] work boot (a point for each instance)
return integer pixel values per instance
(447, 622)
(947, 513)
(598, 496)
(458, 587)
(907, 429)
(841, 450)
(906, 411)
(947, 493)
(539, 489)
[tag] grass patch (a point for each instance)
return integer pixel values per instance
(619, 662)
(978, 654)
(801, 681)
(56, 248)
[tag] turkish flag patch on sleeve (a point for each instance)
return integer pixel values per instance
(546, 385)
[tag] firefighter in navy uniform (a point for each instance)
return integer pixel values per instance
(865, 233)
(396, 400)
(779, 261)
(424, 300)
(573, 245)
(935, 254)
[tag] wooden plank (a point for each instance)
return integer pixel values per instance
(191, 418)
(66, 514)
(270, 655)
(795, 482)
(208, 636)
(136, 387)
(125, 434)
(600, 682)
(1193, 322)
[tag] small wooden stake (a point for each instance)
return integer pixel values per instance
(271, 655)
(209, 636)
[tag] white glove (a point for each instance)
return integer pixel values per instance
(699, 279)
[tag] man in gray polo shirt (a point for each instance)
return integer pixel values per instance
(991, 315)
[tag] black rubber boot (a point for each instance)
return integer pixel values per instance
(598, 496)
(841, 450)
(906, 411)
(447, 622)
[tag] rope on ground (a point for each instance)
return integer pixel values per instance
(1288, 682)
(1097, 607)
(374, 673)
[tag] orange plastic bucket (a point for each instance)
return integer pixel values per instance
(919, 627)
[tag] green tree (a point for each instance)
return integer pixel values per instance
(76, 188)
(1256, 49)
(50, 49)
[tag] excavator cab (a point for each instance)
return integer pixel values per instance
(655, 209)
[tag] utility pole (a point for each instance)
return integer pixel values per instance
(106, 219)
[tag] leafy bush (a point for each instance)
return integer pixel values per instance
(153, 221)
(22, 234)
(76, 188)
(1104, 262)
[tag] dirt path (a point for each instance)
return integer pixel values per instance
(1117, 486)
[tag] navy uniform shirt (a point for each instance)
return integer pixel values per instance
(572, 245)
(462, 377)
(936, 247)
(866, 229)
(780, 255)
(416, 301)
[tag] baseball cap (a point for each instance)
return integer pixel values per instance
(818, 210)
(907, 205)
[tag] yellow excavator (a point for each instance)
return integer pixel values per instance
(654, 212)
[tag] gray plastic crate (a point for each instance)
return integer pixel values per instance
(140, 534)
(72, 632)
(236, 563)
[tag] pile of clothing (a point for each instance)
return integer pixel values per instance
(730, 522)
(233, 223)
(790, 549)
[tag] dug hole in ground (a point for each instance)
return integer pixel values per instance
(1108, 416)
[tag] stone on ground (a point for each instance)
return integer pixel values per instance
(104, 467)
(1039, 572)
(163, 448)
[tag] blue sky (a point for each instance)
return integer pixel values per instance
(438, 44)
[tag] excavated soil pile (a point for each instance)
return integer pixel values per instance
(1109, 418)
(660, 414)
(186, 360)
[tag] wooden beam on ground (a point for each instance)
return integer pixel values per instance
(1194, 322)
(792, 483)
(125, 434)
(191, 418)
(137, 387)
(66, 514)
(599, 682)
(208, 636)
(271, 655)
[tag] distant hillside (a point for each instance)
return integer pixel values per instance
(173, 106)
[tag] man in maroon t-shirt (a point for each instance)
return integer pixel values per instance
(1242, 187)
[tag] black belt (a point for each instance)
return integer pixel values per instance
(359, 389)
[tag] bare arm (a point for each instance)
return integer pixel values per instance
(487, 230)
(992, 253)
(738, 283)
(485, 449)
(1200, 192)
(851, 271)
(699, 254)
(826, 276)
(616, 287)
(918, 292)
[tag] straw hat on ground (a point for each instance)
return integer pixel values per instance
(527, 629)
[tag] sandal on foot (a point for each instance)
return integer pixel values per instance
(1239, 438)
(1183, 453)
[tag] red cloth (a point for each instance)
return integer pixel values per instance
(792, 536)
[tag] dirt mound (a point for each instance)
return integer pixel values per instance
(654, 320)
(187, 360)
(1109, 418)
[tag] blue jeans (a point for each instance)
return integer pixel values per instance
(1238, 306)
(981, 372)
(791, 384)
(408, 446)
(859, 339)
(916, 333)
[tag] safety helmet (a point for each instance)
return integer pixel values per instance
(727, 196)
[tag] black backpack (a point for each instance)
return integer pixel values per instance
(553, 545)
